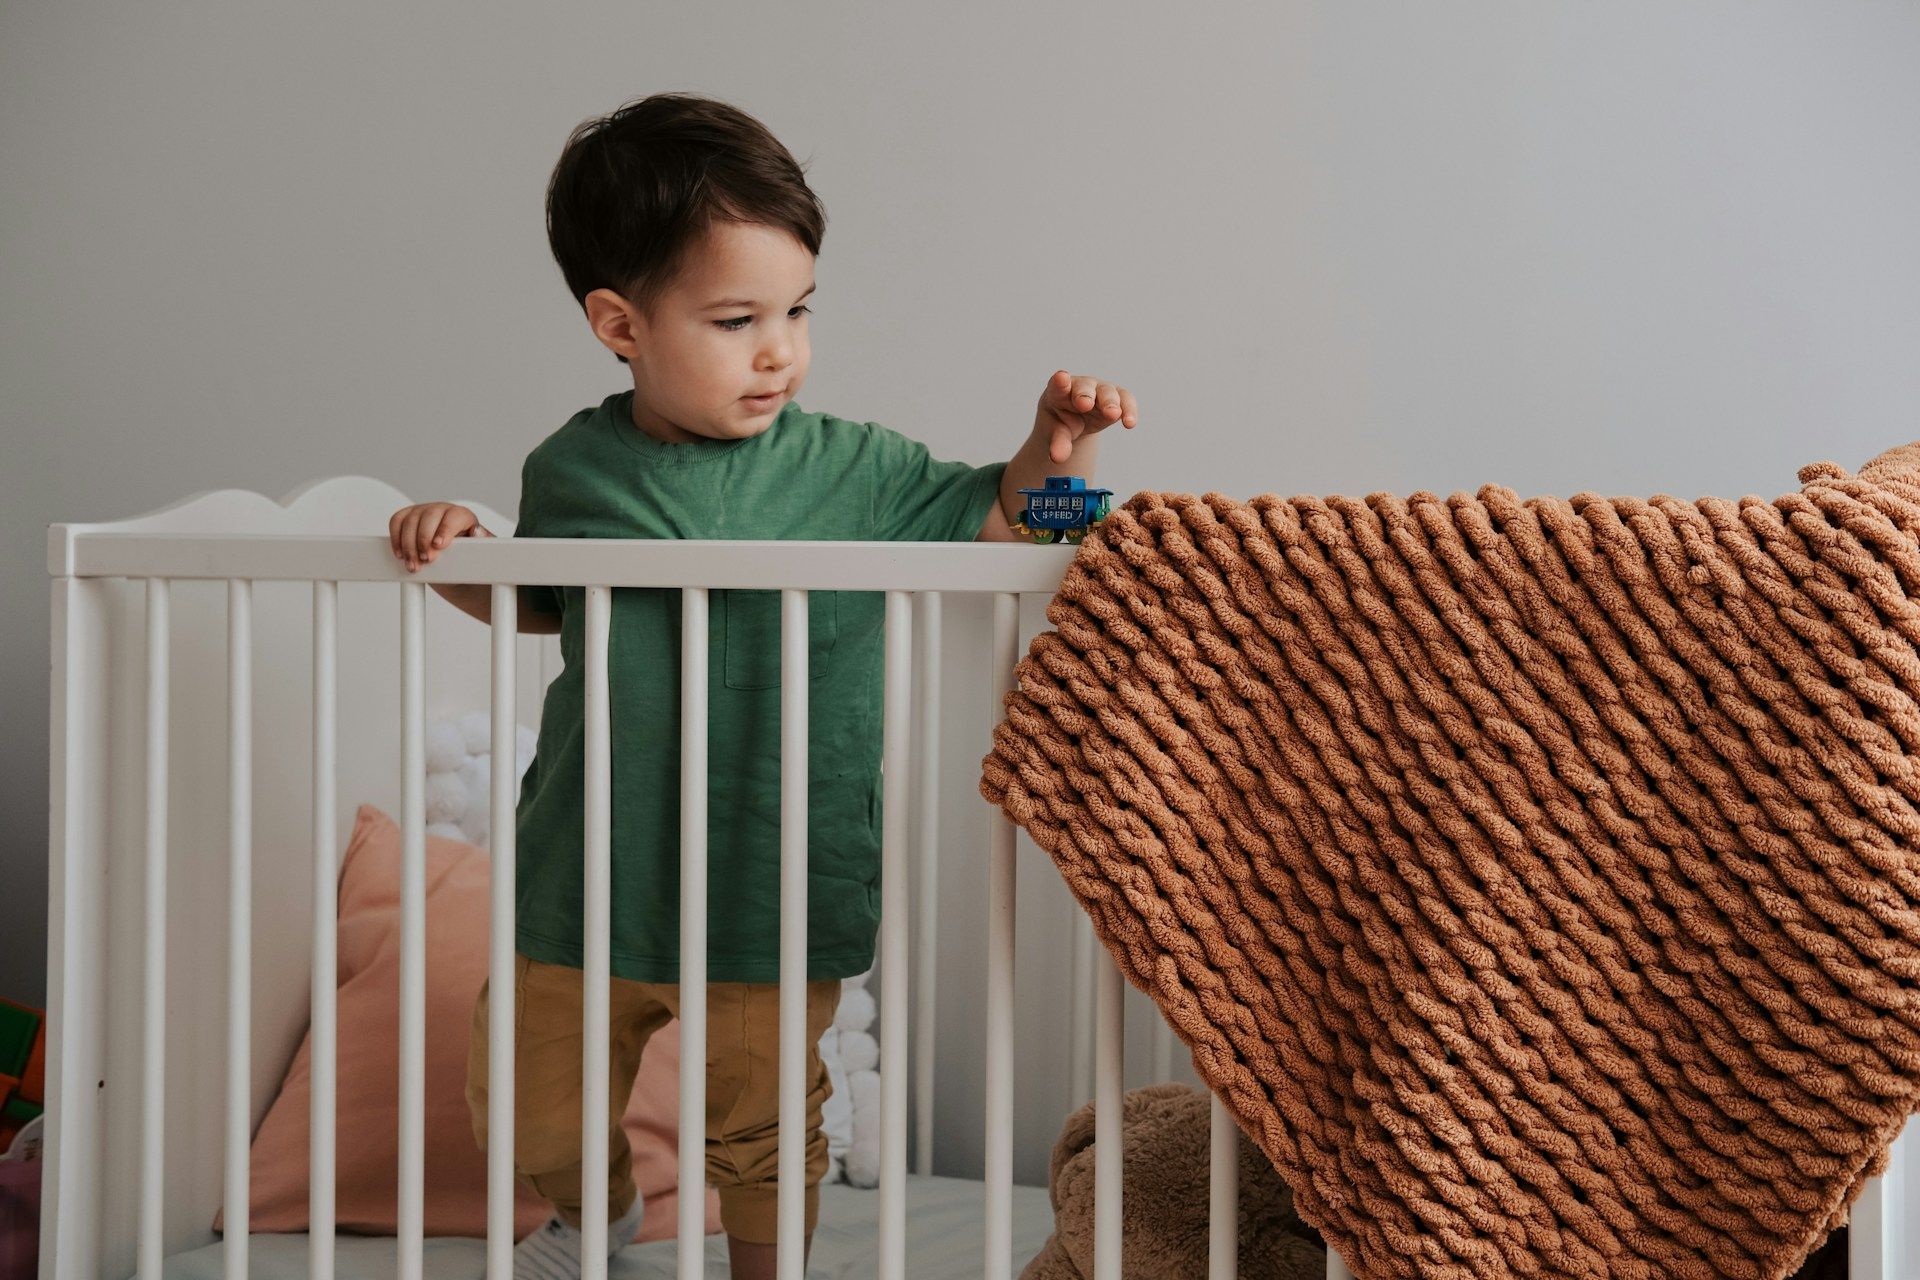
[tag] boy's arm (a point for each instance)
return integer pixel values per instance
(476, 600)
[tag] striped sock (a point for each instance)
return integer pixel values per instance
(552, 1250)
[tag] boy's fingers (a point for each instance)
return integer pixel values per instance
(406, 536)
(439, 527)
(457, 523)
(1061, 447)
(1131, 407)
(1109, 401)
(1085, 389)
(417, 545)
(1059, 392)
(417, 541)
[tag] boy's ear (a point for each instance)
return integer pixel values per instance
(615, 321)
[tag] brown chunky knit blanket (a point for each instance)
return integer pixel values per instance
(1535, 881)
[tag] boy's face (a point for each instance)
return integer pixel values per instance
(732, 325)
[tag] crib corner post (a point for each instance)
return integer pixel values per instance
(77, 836)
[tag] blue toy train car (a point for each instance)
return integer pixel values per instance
(1063, 511)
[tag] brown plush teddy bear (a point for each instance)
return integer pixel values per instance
(1164, 1189)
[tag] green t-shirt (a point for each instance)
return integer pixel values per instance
(808, 476)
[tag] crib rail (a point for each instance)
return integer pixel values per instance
(80, 556)
(950, 567)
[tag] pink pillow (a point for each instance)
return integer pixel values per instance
(366, 1148)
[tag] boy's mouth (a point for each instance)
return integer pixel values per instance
(763, 401)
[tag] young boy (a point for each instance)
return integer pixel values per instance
(688, 234)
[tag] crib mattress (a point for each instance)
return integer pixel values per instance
(945, 1230)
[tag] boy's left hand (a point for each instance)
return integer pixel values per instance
(1075, 406)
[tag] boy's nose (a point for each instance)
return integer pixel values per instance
(778, 353)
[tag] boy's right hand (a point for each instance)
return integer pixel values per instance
(422, 531)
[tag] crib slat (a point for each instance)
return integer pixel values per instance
(413, 931)
(1881, 1237)
(503, 786)
(1109, 1035)
(1080, 1060)
(239, 916)
(1223, 1196)
(320, 1107)
(927, 917)
(1000, 988)
(596, 921)
(154, 1031)
(1866, 1231)
(693, 929)
(1162, 1051)
(793, 934)
(895, 977)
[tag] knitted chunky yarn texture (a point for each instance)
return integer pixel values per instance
(1534, 881)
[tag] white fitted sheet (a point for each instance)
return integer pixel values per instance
(945, 1239)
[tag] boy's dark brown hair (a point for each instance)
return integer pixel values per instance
(635, 190)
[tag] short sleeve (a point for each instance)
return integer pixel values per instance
(527, 525)
(919, 498)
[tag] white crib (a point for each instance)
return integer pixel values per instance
(153, 1032)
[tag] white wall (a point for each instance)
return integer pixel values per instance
(1333, 246)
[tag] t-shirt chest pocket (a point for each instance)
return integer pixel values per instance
(752, 657)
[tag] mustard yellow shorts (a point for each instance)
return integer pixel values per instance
(743, 1033)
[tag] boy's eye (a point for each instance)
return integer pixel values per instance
(737, 322)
